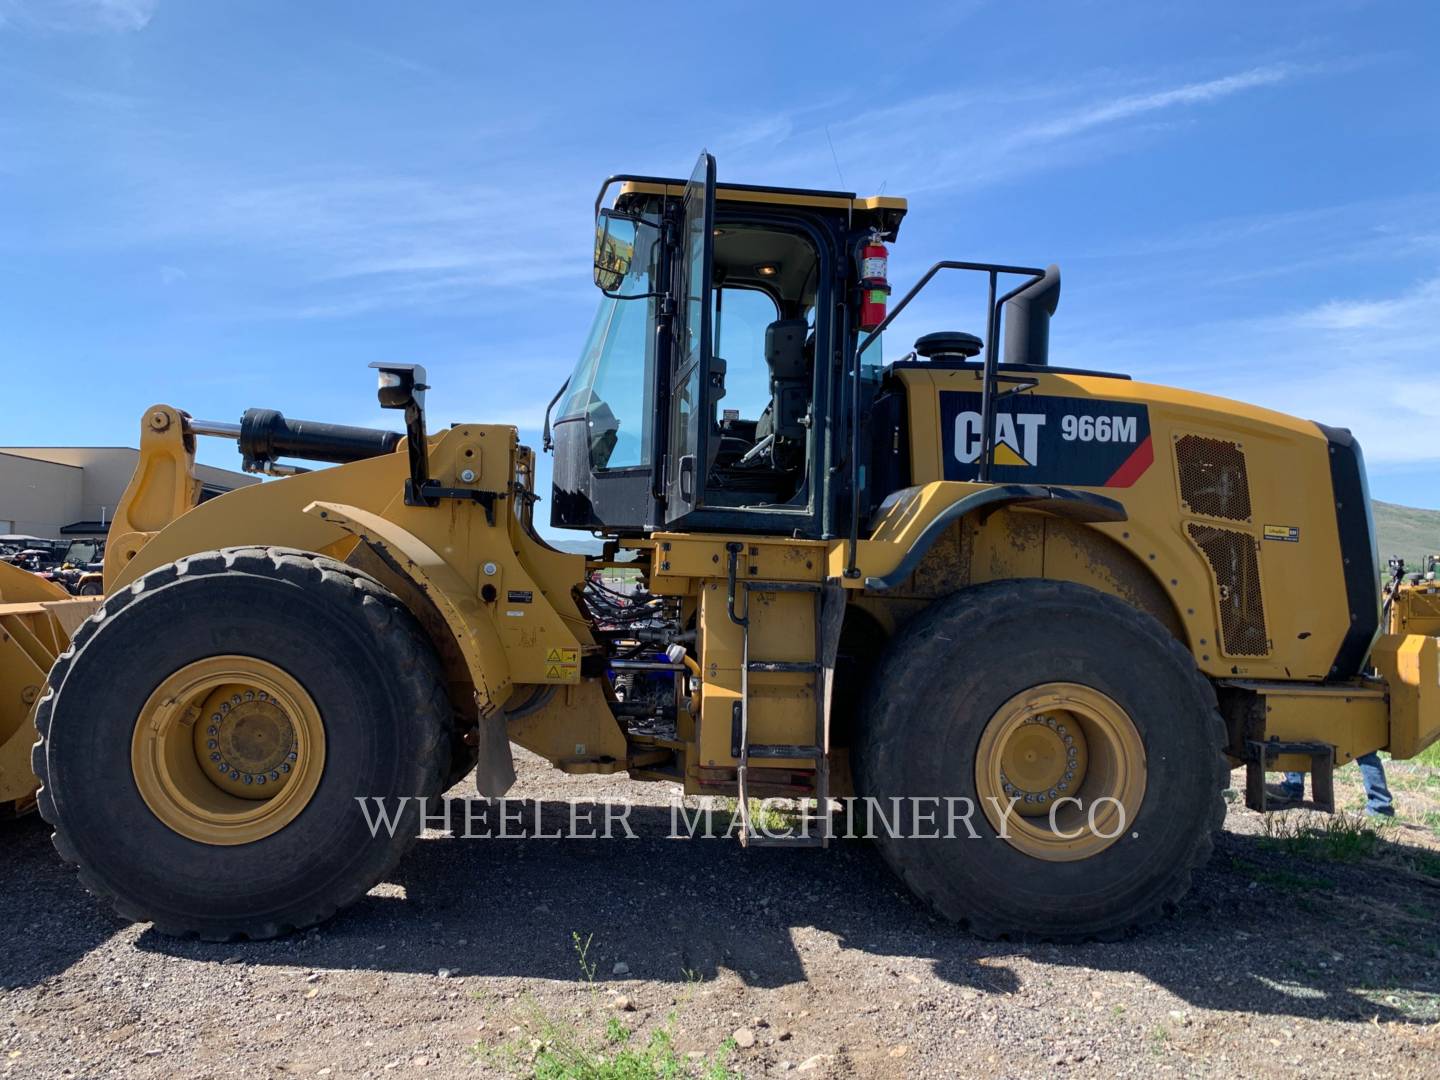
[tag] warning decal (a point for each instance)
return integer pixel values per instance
(562, 665)
(1053, 440)
(1288, 533)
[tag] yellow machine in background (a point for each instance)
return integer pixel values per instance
(1048, 609)
(1412, 601)
(37, 618)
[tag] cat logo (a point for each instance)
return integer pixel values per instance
(1017, 439)
(1048, 439)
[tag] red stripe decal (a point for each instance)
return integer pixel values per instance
(1140, 459)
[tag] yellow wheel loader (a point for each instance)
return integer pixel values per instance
(1015, 621)
(37, 618)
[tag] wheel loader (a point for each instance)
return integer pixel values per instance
(1055, 606)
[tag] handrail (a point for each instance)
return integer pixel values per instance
(987, 393)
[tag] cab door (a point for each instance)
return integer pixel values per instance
(692, 377)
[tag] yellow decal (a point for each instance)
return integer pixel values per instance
(562, 665)
(1290, 533)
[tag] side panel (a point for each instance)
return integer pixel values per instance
(1229, 507)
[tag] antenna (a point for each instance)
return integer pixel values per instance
(834, 157)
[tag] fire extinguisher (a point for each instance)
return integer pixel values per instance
(874, 286)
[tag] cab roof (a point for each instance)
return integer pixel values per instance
(887, 210)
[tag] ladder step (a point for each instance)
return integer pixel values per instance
(782, 750)
(783, 665)
(782, 586)
(756, 840)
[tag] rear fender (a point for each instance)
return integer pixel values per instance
(1059, 501)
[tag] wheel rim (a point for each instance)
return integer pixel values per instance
(228, 750)
(1049, 746)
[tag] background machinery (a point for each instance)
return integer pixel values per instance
(1052, 606)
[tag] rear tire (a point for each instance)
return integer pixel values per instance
(944, 694)
(329, 636)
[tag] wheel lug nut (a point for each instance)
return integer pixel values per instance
(216, 757)
(211, 744)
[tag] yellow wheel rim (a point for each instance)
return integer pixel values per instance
(228, 750)
(1072, 764)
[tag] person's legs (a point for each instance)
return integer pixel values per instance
(1377, 793)
(1291, 789)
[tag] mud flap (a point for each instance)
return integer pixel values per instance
(495, 771)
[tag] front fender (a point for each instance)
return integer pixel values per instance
(466, 618)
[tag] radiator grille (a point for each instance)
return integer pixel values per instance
(1213, 481)
(1236, 568)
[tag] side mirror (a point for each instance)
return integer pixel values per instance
(401, 385)
(614, 249)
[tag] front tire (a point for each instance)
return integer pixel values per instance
(206, 736)
(1044, 692)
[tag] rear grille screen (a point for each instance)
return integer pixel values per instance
(1236, 568)
(1213, 481)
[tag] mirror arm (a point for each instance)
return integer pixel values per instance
(546, 442)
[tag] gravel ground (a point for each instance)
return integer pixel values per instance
(1277, 963)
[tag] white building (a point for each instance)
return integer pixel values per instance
(60, 491)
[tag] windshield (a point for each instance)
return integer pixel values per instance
(81, 552)
(613, 384)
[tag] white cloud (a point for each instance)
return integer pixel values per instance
(976, 136)
(1365, 363)
(79, 16)
(1123, 108)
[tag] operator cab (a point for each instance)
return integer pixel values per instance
(699, 399)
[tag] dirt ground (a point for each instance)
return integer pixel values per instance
(1294, 955)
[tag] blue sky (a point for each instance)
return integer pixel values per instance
(221, 205)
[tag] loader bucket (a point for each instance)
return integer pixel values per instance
(37, 618)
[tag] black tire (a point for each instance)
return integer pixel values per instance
(948, 672)
(356, 650)
(90, 588)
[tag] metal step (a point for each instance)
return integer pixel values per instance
(758, 840)
(783, 586)
(1259, 759)
(781, 750)
(776, 666)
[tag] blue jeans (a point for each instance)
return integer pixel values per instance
(1372, 774)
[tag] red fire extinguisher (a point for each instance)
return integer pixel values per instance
(874, 286)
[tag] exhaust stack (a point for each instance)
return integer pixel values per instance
(1027, 320)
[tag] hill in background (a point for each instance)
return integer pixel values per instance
(1406, 531)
